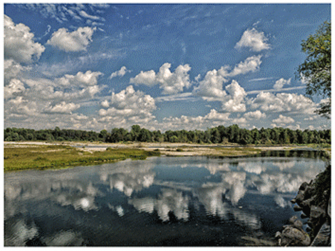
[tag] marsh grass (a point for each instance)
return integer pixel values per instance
(48, 157)
(236, 151)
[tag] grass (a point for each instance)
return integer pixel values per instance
(48, 157)
(236, 151)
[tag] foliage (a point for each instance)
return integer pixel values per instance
(316, 69)
(46, 157)
(215, 135)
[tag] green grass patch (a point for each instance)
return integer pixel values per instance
(237, 151)
(46, 157)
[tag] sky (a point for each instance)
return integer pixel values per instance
(161, 66)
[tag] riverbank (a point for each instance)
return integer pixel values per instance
(45, 155)
(41, 156)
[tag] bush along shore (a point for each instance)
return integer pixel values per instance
(314, 200)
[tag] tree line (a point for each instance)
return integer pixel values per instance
(219, 134)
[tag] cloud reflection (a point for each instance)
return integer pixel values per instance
(169, 200)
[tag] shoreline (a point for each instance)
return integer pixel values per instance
(54, 155)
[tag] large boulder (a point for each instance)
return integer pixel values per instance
(293, 234)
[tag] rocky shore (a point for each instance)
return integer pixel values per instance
(314, 200)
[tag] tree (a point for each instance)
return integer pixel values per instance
(316, 69)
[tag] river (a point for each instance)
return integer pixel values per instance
(161, 201)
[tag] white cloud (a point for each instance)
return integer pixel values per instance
(15, 86)
(283, 120)
(72, 41)
(281, 82)
(105, 103)
(88, 78)
(254, 40)
(234, 102)
(280, 102)
(171, 83)
(214, 115)
(210, 88)
(62, 107)
(19, 42)
(254, 115)
(20, 106)
(119, 73)
(12, 70)
(213, 118)
(251, 64)
(127, 107)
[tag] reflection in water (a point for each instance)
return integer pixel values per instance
(114, 203)
(168, 200)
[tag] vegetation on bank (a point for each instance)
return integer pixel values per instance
(57, 156)
(216, 135)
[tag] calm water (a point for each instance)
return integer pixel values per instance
(161, 201)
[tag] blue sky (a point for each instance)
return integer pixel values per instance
(162, 66)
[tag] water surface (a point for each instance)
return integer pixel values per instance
(161, 201)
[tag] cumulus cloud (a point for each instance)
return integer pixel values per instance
(234, 102)
(280, 102)
(88, 78)
(63, 107)
(210, 88)
(213, 118)
(281, 82)
(170, 82)
(22, 106)
(254, 115)
(127, 106)
(19, 42)
(12, 70)
(283, 120)
(119, 73)
(52, 101)
(251, 64)
(77, 40)
(254, 40)
(214, 115)
(15, 87)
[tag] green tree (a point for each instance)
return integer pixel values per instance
(135, 131)
(316, 69)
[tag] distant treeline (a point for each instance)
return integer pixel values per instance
(219, 134)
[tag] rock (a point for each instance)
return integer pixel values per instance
(298, 224)
(306, 205)
(317, 212)
(303, 186)
(329, 209)
(323, 237)
(293, 201)
(317, 217)
(300, 197)
(297, 208)
(293, 219)
(309, 191)
(303, 216)
(294, 237)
